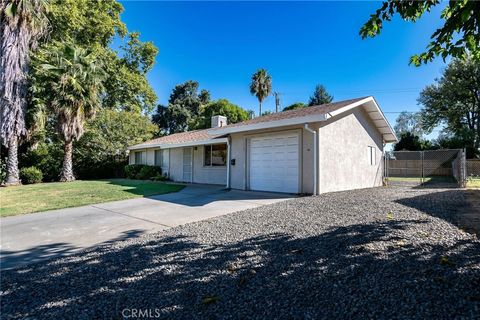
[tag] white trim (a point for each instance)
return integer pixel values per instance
(228, 164)
(381, 123)
(179, 145)
(315, 157)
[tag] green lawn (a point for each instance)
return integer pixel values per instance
(473, 183)
(57, 195)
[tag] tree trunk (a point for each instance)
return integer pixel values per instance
(67, 170)
(260, 111)
(12, 178)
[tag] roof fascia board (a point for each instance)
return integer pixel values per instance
(371, 100)
(179, 145)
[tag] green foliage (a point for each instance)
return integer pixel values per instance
(266, 113)
(460, 140)
(3, 171)
(148, 172)
(142, 171)
(221, 107)
(410, 122)
(47, 156)
(458, 36)
(93, 25)
(454, 102)
(320, 96)
(296, 105)
(184, 107)
(102, 151)
(411, 142)
(261, 86)
(70, 82)
(30, 175)
(132, 170)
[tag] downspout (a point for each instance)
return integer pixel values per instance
(228, 163)
(315, 157)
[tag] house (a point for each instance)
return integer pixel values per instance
(331, 147)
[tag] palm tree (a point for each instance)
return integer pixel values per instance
(261, 86)
(22, 23)
(73, 83)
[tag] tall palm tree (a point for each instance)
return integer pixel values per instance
(22, 23)
(261, 86)
(73, 84)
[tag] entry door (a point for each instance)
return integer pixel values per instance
(274, 163)
(187, 164)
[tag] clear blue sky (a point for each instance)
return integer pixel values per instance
(220, 44)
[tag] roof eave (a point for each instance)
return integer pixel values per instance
(179, 145)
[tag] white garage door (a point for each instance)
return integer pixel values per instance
(274, 162)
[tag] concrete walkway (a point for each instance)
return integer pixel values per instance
(38, 236)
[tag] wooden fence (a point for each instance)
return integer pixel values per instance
(413, 168)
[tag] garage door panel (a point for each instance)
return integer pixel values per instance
(274, 163)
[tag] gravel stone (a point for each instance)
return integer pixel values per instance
(379, 253)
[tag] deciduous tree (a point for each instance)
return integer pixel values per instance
(459, 34)
(454, 101)
(221, 107)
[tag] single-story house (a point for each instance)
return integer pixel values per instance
(330, 147)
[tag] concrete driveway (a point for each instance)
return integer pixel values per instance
(38, 236)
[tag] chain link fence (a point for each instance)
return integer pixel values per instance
(430, 168)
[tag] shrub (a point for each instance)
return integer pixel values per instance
(148, 172)
(132, 170)
(31, 175)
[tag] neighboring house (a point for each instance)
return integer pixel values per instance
(331, 147)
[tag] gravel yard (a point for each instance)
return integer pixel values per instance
(373, 253)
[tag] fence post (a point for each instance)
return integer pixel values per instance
(423, 172)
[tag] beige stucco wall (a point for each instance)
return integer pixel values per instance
(203, 174)
(344, 161)
(174, 166)
(343, 156)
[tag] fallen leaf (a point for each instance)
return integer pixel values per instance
(210, 299)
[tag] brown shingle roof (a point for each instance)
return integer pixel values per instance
(177, 138)
(297, 113)
(203, 135)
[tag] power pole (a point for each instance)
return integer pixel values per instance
(277, 100)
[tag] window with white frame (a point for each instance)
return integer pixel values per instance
(215, 155)
(140, 157)
(372, 155)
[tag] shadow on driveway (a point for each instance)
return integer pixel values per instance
(334, 274)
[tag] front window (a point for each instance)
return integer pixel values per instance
(215, 155)
(159, 157)
(140, 157)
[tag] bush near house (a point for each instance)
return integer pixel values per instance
(31, 175)
(142, 172)
(148, 172)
